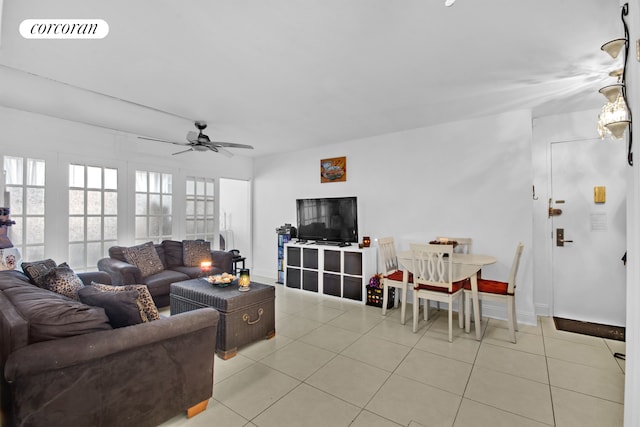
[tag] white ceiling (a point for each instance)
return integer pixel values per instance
(291, 74)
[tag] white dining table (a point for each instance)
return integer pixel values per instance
(465, 266)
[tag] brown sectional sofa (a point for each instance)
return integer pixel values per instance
(64, 365)
(171, 255)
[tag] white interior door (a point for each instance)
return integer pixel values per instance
(588, 274)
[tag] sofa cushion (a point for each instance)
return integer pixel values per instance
(146, 307)
(195, 272)
(222, 260)
(172, 253)
(194, 252)
(116, 252)
(167, 277)
(13, 278)
(145, 258)
(9, 258)
(160, 251)
(36, 270)
(121, 307)
(62, 280)
(52, 316)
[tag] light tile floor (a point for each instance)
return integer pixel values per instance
(340, 363)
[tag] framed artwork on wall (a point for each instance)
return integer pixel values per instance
(333, 169)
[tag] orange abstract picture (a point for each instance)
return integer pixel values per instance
(333, 170)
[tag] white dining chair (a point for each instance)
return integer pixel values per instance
(392, 276)
(463, 246)
(432, 278)
(493, 290)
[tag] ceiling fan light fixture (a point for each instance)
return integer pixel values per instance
(449, 3)
(613, 47)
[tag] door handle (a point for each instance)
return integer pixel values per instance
(560, 241)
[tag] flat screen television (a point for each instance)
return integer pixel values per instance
(333, 219)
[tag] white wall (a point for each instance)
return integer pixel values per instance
(470, 178)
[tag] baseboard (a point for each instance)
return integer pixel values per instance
(499, 311)
(543, 310)
(489, 309)
(264, 274)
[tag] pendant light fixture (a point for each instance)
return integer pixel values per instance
(615, 115)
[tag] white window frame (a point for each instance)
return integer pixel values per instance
(200, 208)
(21, 233)
(164, 217)
(98, 245)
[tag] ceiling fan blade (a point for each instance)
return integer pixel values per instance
(161, 140)
(222, 151)
(183, 151)
(232, 145)
(192, 137)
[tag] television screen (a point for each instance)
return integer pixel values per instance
(332, 219)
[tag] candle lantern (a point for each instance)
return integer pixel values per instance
(244, 280)
(366, 241)
(205, 268)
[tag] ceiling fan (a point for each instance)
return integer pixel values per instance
(198, 141)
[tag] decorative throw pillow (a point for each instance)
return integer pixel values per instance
(195, 251)
(121, 307)
(145, 258)
(37, 269)
(9, 258)
(146, 306)
(62, 280)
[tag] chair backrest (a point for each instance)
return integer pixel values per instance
(388, 257)
(463, 246)
(514, 268)
(432, 265)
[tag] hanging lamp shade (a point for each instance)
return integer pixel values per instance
(613, 47)
(617, 73)
(614, 118)
(617, 128)
(611, 92)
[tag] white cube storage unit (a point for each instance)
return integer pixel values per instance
(330, 270)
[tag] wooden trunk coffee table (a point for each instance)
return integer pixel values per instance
(245, 317)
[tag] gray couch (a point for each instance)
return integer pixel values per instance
(64, 365)
(171, 255)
